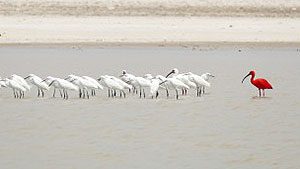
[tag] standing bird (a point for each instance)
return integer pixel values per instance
(260, 83)
(39, 83)
(206, 77)
(64, 85)
(15, 86)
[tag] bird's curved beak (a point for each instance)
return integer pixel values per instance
(51, 83)
(212, 76)
(170, 73)
(162, 82)
(245, 77)
(99, 79)
(27, 77)
(67, 78)
(43, 80)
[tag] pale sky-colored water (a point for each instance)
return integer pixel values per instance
(226, 128)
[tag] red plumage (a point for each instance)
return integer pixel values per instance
(260, 83)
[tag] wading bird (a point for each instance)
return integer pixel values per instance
(260, 83)
(39, 83)
(206, 77)
(65, 86)
(112, 86)
(15, 86)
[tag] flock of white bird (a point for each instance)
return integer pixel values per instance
(126, 83)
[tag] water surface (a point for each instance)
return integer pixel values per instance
(229, 127)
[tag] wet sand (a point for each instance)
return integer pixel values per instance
(227, 128)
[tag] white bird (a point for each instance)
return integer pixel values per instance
(112, 86)
(206, 77)
(94, 81)
(83, 85)
(2, 83)
(64, 85)
(129, 78)
(48, 80)
(176, 84)
(183, 78)
(39, 83)
(200, 82)
(21, 81)
(165, 85)
(121, 82)
(142, 83)
(16, 87)
(154, 87)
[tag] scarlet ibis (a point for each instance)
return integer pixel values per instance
(260, 83)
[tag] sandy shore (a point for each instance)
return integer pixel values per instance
(258, 8)
(147, 30)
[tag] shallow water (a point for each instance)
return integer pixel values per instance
(229, 127)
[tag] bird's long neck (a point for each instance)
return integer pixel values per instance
(252, 77)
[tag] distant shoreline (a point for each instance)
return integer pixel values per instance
(191, 45)
(187, 8)
(149, 31)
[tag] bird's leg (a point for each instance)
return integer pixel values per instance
(200, 91)
(79, 93)
(83, 93)
(203, 89)
(54, 92)
(43, 93)
(67, 96)
(20, 96)
(156, 94)
(115, 93)
(197, 91)
(140, 92)
(264, 94)
(87, 94)
(167, 91)
(61, 95)
(14, 92)
(64, 94)
(176, 94)
(23, 94)
(182, 91)
(38, 93)
(144, 93)
(124, 94)
(120, 94)
(259, 92)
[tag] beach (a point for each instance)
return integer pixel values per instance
(178, 31)
(228, 127)
(152, 23)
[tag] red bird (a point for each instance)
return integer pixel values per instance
(260, 83)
